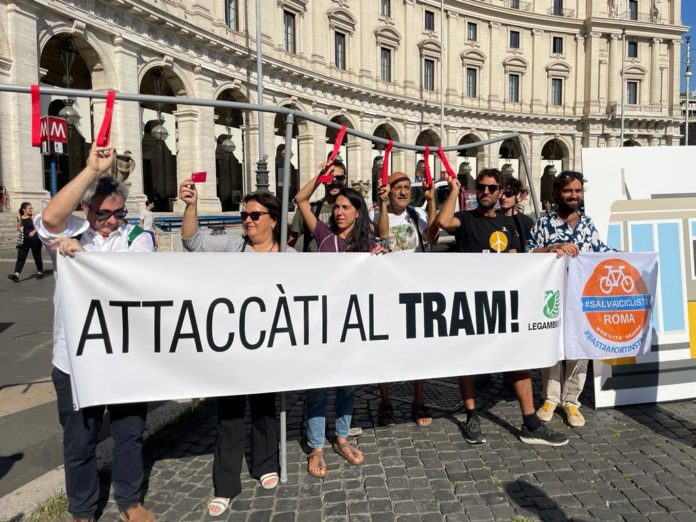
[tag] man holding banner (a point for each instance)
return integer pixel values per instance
(565, 231)
(103, 201)
(483, 230)
(406, 229)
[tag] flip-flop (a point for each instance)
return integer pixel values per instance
(347, 450)
(219, 502)
(269, 480)
(421, 415)
(322, 464)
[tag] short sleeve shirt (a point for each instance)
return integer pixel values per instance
(403, 236)
(479, 233)
(551, 230)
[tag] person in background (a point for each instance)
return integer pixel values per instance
(261, 220)
(30, 241)
(510, 198)
(147, 220)
(4, 197)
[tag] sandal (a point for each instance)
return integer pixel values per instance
(218, 505)
(269, 480)
(349, 451)
(317, 456)
(421, 415)
(385, 415)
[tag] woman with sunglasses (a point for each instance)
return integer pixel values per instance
(348, 231)
(30, 241)
(261, 219)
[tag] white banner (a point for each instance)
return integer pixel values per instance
(145, 327)
(609, 313)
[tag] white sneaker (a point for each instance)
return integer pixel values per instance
(573, 416)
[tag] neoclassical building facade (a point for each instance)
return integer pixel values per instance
(548, 69)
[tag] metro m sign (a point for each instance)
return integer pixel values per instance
(54, 133)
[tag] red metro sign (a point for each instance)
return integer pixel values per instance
(54, 135)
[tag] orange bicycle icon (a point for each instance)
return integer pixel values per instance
(614, 278)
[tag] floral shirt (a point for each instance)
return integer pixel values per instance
(551, 230)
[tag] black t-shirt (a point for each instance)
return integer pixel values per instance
(524, 226)
(479, 233)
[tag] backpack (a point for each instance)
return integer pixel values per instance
(307, 235)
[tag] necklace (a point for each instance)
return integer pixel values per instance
(269, 250)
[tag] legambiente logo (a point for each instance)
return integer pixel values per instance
(552, 309)
(552, 303)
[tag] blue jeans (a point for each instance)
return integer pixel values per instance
(315, 403)
(80, 435)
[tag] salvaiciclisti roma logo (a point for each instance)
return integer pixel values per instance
(552, 304)
(616, 301)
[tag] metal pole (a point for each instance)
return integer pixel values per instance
(261, 164)
(54, 176)
(623, 83)
(530, 181)
(687, 74)
(289, 122)
(442, 72)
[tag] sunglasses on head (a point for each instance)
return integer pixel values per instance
(255, 215)
(103, 215)
(568, 175)
(482, 187)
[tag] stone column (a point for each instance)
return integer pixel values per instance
(408, 161)
(614, 70)
(577, 77)
(539, 78)
(454, 69)
(186, 156)
(653, 141)
(21, 164)
(496, 79)
(203, 141)
(124, 136)
(655, 71)
(593, 79)
(534, 157)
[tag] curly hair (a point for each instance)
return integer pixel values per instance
(359, 238)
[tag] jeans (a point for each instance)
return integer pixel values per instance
(80, 432)
(316, 414)
(231, 436)
(572, 382)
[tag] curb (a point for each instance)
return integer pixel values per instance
(20, 503)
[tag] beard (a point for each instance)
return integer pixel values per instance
(567, 207)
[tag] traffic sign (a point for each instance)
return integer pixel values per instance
(54, 135)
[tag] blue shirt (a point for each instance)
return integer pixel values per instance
(551, 230)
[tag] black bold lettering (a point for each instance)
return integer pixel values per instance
(282, 304)
(491, 314)
(94, 306)
(461, 315)
(410, 300)
(125, 305)
(373, 335)
(242, 323)
(305, 300)
(157, 305)
(434, 305)
(209, 325)
(353, 303)
(186, 310)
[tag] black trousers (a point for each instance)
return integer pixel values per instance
(33, 244)
(231, 436)
(80, 431)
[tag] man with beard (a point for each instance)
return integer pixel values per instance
(483, 230)
(406, 229)
(322, 209)
(565, 231)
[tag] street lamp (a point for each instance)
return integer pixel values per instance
(159, 132)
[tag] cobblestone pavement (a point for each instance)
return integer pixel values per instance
(630, 463)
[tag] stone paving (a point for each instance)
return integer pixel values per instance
(630, 463)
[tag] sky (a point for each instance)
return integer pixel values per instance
(689, 18)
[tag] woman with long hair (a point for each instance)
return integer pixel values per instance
(261, 219)
(25, 226)
(348, 231)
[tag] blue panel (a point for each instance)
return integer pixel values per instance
(642, 241)
(642, 238)
(671, 274)
(693, 229)
(614, 237)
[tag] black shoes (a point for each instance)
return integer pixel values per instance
(472, 432)
(13, 277)
(542, 435)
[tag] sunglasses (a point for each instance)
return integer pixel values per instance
(509, 193)
(255, 215)
(574, 175)
(339, 179)
(103, 215)
(482, 187)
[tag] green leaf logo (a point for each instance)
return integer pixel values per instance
(553, 303)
